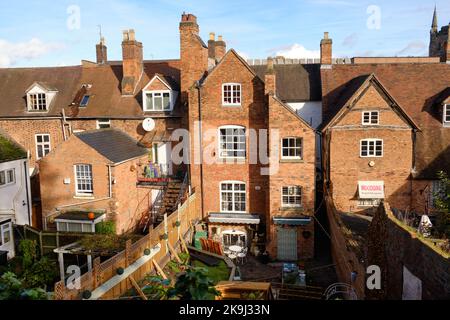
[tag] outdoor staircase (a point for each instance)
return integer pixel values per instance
(170, 199)
(293, 292)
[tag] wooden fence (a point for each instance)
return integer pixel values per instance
(187, 214)
(47, 241)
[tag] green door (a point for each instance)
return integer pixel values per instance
(287, 244)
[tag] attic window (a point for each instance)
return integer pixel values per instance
(37, 102)
(85, 101)
(370, 117)
(158, 101)
(447, 114)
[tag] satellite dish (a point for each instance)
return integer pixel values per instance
(148, 124)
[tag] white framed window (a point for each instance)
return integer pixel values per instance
(5, 233)
(369, 203)
(447, 114)
(7, 177)
(371, 148)
(232, 142)
(103, 124)
(158, 101)
(75, 226)
(291, 196)
(291, 148)
(43, 146)
(233, 238)
(370, 117)
(37, 102)
(233, 196)
(83, 180)
(231, 94)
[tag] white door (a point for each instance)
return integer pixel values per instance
(287, 244)
(164, 158)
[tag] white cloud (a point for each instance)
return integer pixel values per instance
(351, 40)
(11, 53)
(297, 51)
(413, 48)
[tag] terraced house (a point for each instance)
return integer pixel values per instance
(50, 111)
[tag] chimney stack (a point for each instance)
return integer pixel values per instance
(447, 47)
(220, 48)
(211, 45)
(102, 51)
(270, 78)
(326, 54)
(133, 64)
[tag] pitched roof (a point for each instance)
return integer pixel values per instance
(292, 111)
(295, 82)
(105, 90)
(14, 82)
(10, 150)
(416, 87)
(113, 144)
(353, 92)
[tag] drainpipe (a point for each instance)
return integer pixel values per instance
(64, 124)
(197, 85)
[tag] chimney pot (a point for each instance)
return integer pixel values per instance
(220, 38)
(325, 35)
(212, 36)
(131, 35)
(125, 35)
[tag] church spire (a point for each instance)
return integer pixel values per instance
(434, 25)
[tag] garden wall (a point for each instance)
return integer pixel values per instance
(187, 214)
(393, 247)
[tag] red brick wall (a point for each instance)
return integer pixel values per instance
(347, 167)
(292, 173)
(24, 131)
(128, 201)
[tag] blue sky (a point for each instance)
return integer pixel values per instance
(36, 33)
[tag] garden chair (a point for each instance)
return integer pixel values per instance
(242, 256)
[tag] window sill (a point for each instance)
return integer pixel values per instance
(286, 160)
(231, 105)
(292, 208)
(84, 197)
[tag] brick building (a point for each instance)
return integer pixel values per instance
(385, 131)
(231, 107)
(87, 174)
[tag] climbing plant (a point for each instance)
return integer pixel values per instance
(28, 250)
(442, 200)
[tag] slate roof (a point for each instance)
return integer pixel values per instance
(417, 87)
(295, 82)
(105, 90)
(113, 144)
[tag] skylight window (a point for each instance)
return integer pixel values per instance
(85, 101)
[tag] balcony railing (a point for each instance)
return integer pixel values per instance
(155, 173)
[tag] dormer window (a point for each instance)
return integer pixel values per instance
(40, 96)
(37, 102)
(158, 101)
(447, 115)
(85, 101)
(159, 95)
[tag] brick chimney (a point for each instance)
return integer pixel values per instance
(133, 64)
(193, 54)
(270, 78)
(220, 48)
(447, 47)
(211, 46)
(326, 54)
(102, 51)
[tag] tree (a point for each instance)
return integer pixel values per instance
(12, 288)
(442, 200)
(195, 285)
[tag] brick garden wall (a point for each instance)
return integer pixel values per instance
(391, 246)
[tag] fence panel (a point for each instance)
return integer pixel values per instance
(187, 213)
